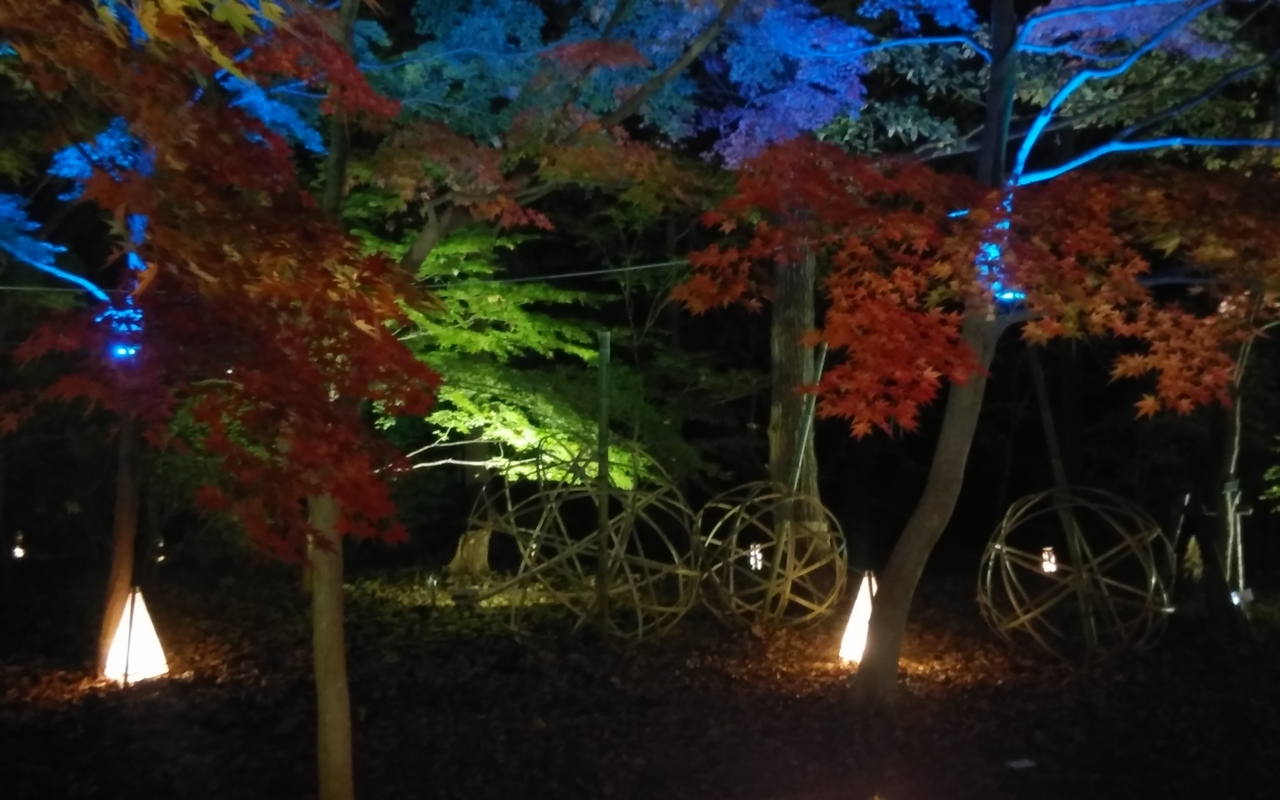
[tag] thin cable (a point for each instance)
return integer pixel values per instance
(533, 278)
(476, 282)
(56, 289)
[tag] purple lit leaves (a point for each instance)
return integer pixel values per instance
(116, 151)
(796, 71)
(947, 13)
(1095, 28)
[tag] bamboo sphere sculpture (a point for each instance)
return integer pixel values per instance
(1080, 573)
(633, 577)
(771, 557)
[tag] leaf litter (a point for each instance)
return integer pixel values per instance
(448, 703)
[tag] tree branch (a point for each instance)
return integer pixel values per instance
(647, 89)
(1082, 77)
(435, 229)
(335, 169)
(1040, 176)
(1207, 94)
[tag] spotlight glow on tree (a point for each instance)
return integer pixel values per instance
(855, 633)
(136, 654)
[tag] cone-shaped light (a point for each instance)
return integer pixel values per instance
(135, 653)
(855, 633)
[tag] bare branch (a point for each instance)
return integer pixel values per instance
(637, 99)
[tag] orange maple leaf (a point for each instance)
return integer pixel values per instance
(1148, 406)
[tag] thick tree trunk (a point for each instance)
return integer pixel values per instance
(792, 368)
(878, 673)
(124, 536)
(329, 652)
(1000, 91)
(471, 558)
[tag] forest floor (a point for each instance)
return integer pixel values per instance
(447, 704)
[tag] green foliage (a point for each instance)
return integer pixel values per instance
(883, 124)
(1272, 491)
(917, 95)
(515, 357)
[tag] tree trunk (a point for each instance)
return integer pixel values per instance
(792, 368)
(471, 558)
(1220, 546)
(877, 678)
(1000, 91)
(323, 565)
(878, 673)
(333, 704)
(124, 537)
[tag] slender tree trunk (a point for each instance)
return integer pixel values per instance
(7, 540)
(324, 547)
(792, 368)
(877, 678)
(3, 460)
(124, 536)
(1220, 548)
(878, 673)
(328, 644)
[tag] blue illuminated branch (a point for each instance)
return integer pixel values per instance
(1040, 176)
(1084, 76)
(61, 274)
(16, 241)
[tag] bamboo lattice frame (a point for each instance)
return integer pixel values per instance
(650, 564)
(771, 557)
(1120, 585)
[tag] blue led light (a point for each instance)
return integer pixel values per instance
(121, 351)
(991, 255)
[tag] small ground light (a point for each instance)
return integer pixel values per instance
(160, 550)
(756, 556)
(1242, 597)
(855, 633)
(19, 550)
(1048, 560)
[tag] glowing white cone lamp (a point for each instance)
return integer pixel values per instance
(855, 633)
(135, 653)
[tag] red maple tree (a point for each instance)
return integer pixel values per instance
(902, 266)
(257, 311)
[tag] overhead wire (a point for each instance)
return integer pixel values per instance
(559, 276)
(435, 285)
